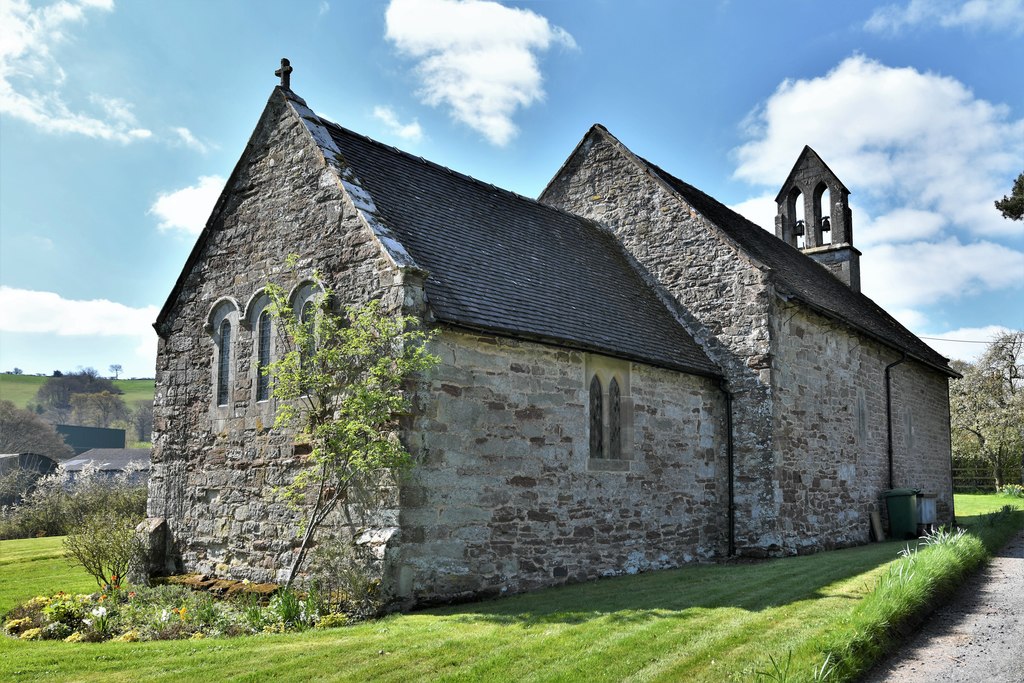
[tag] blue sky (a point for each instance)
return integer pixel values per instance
(120, 121)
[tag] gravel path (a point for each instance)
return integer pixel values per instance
(979, 636)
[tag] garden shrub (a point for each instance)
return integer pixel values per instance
(59, 502)
(106, 546)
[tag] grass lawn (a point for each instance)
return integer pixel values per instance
(704, 622)
(970, 505)
(21, 389)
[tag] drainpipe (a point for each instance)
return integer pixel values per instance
(949, 430)
(729, 466)
(888, 407)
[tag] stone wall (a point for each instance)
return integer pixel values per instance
(921, 441)
(506, 497)
(832, 432)
(215, 466)
(719, 294)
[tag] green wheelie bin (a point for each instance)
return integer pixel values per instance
(902, 506)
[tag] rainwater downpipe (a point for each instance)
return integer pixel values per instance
(729, 467)
(888, 408)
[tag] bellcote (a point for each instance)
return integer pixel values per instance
(814, 216)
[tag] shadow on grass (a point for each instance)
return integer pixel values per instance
(689, 592)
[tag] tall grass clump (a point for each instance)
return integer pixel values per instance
(910, 587)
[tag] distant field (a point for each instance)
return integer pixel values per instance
(21, 389)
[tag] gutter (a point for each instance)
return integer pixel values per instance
(730, 467)
(888, 409)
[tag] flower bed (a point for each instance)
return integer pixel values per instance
(168, 612)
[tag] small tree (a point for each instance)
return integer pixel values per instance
(987, 406)
(340, 384)
(106, 546)
(116, 368)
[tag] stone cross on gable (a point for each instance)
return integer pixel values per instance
(285, 72)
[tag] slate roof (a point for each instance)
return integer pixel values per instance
(110, 459)
(501, 262)
(804, 278)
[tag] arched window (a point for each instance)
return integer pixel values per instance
(224, 363)
(614, 420)
(263, 357)
(596, 419)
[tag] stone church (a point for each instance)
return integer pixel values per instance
(632, 377)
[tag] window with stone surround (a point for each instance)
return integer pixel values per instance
(221, 325)
(614, 420)
(610, 413)
(259, 322)
(224, 363)
(596, 418)
(304, 299)
(263, 342)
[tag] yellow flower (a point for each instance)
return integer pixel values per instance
(198, 635)
(75, 637)
(15, 625)
(31, 634)
(128, 637)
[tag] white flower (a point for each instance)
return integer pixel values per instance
(100, 612)
(165, 615)
(87, 622)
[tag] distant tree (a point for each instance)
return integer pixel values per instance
(17, 371)
(116, 369)
(142, 420)
(55, 394)
(24, 432)
(1012, 206)
(58, 373)
(987, 407)
(97, 410)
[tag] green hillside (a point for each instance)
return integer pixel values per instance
(21, 389)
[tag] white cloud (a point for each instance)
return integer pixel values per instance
(31, 80)
(188, 209)
(963, 343)
(994, 15)
(760, 210)
(406, 131)
(919, 273)
(910, 140)
(925, 160)
(97, 326)
(324, 7)
(186, 138)
(476, 57)
(26, 310)
(898, 225)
